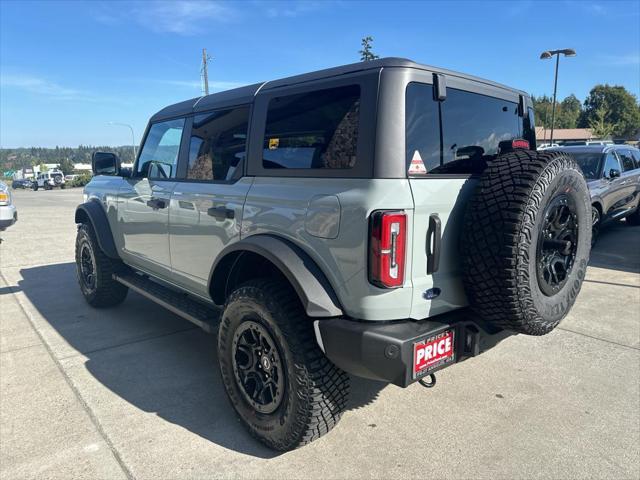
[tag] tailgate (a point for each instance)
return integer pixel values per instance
(446, 198)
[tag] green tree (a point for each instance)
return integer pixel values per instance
(570, 109)
(66, 166)
(612, 105)
(366, 54)
(600, 127)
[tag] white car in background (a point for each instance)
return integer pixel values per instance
(8, 212)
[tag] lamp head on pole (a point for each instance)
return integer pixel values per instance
(567, 52)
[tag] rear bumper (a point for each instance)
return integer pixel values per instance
(385, 350)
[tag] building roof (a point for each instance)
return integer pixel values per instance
(560, 134)
(245, 94)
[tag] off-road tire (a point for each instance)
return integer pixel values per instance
(503, 226)
(633, 219)
(35, 187)
(315, 390)
(107, 292)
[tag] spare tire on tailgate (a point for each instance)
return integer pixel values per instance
(526, 240)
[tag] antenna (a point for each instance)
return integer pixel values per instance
(204, 72)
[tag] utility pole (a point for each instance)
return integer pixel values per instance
(204, 71)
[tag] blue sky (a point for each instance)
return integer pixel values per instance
(68, 68)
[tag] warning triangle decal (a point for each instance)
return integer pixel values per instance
(417, 165)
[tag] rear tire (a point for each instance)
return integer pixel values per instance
(95, 271)
(294, 396)
(526, 241)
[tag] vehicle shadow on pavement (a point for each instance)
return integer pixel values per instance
(147, 356)
(617, 248)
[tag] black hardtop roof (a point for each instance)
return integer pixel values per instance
(245, 94)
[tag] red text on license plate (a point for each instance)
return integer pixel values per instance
(432, 353)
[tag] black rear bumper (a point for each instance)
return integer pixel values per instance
(385, 350)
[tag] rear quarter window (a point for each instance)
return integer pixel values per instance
(313, 130)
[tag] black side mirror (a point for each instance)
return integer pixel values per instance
(105, 163)
(614, 173)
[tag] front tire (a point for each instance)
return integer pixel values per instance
(95, 271)
(286, 392)
(595, 224)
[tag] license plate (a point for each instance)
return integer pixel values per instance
(432, 353)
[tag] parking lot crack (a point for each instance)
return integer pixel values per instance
(599, 339)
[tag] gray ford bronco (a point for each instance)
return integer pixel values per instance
(384, 219)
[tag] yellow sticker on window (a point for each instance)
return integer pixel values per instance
(273, 143)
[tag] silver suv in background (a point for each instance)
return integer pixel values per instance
(8, 211)
(613, 177)
(385, 219)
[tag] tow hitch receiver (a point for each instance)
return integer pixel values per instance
(405, 351)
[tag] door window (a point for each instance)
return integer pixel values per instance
(217, 145)
(159, 156)
(611, 162)
(313, 130)
(626, 159)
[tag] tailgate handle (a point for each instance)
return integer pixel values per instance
(433, 243)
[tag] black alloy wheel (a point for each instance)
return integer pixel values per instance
(557, 244)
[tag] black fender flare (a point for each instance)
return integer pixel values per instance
(93, 213)
(310, 283)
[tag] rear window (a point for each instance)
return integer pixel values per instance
(460, 134)
(313, 130)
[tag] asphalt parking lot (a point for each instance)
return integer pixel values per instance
(134, 391)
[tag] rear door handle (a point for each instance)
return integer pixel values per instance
(433, 243)
(157, 203)
(221, 213)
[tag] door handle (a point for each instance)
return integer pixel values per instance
(157, 203)
(433, 243)
(221, 213)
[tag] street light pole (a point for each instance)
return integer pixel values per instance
(133, 138)
(567, 52)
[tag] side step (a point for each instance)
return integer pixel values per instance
(179, 303)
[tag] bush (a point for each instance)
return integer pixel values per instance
(81, 180)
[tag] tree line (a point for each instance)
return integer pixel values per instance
(18, 158)
(609, 111)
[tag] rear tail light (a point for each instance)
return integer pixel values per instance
(520, 143)
(4, 198)
(387, 248)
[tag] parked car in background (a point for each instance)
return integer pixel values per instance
(49, 180)
(8, 212)
(22, 183)
(613, 177)
(71, 178)
(544, 146)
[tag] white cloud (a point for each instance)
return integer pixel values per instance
(632, 59)
(295, 8)
(183, 17)
(42, 86)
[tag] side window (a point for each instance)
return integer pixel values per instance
(636, 157)
(217, 145)
(473, 127)
(317, 129)
(627, 160)
(611, 162)
(159, 156)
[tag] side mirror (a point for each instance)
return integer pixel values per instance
(614, 173)
(104, 163)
